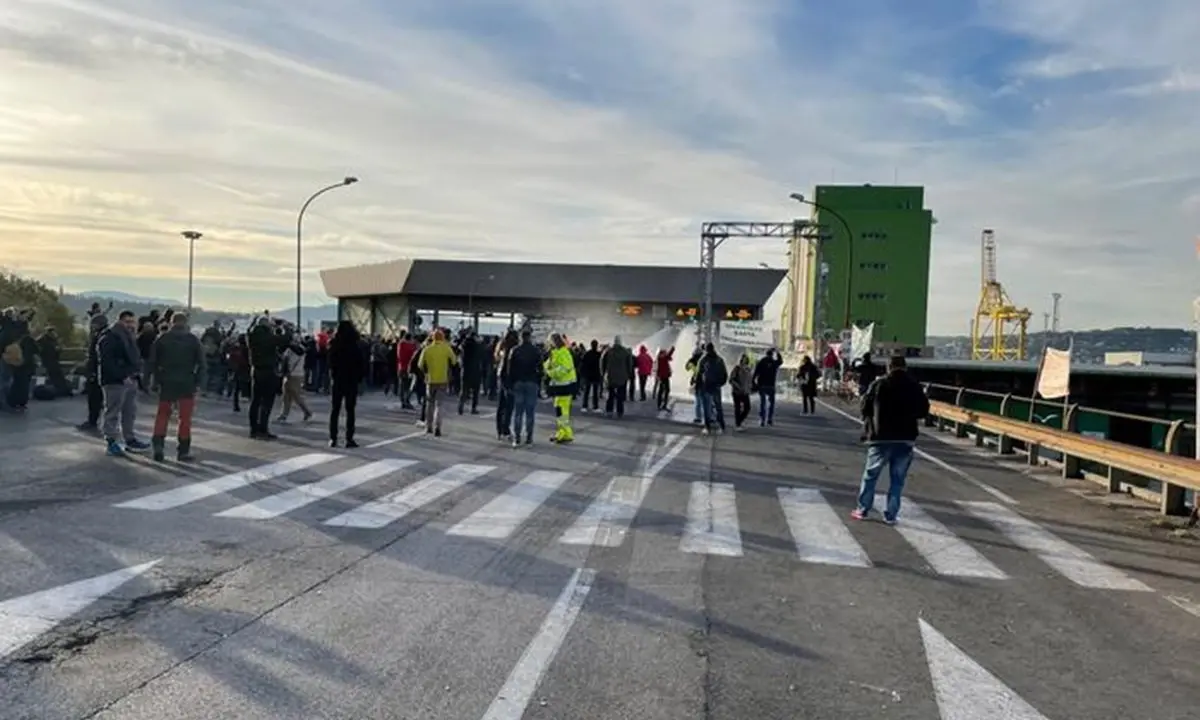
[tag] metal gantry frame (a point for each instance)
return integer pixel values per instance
(714, 234)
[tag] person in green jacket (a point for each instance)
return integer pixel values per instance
(177, 370)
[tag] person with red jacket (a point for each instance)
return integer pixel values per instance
(645, 366)
(662, 377)
(406, 352)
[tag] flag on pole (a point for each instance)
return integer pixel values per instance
(1054, 374)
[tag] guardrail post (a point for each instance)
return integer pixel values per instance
(1171, 502)
(1070, 463)
(960, 429)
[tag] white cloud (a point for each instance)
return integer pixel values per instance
(123, 122)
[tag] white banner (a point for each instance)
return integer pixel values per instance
(1054, 374)
(753, 334)
(861, 340)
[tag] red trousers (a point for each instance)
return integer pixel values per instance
(186, 406)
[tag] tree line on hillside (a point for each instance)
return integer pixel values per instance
(23, 293)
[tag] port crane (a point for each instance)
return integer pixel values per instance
(1000, 329)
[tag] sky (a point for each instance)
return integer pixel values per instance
(589, 131)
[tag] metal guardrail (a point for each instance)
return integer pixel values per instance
(1163, 475)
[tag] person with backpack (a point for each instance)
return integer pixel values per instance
(891, 408)
(740, 381)
(711, 376)
(177, 368)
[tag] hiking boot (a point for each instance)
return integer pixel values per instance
(183, 453)
(158, 443)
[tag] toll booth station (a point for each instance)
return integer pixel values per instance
(581, 300)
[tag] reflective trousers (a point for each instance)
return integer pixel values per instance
(562, 419)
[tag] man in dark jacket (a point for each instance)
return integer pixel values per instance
(522, 368)
(472, 372)
(120, 367)
(264, 342)
(177, 370)
(616, 365)
(98, 324)
(590, 380)
(712, 375)
(766, 371)
(891, 409)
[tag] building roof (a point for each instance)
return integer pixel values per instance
(749, 287)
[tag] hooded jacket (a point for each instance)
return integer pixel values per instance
(177, 364)
(117, 355)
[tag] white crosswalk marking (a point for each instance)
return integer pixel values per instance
(396, 505)
(1075, 564)
(606, 521)
(505, 513)
(945, 552)
(301, 495)
(198, 491)
(818, 532)
(712, 525)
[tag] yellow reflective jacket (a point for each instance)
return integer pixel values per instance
(560, 366)
(435, 362)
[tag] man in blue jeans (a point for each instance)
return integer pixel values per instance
(521, 368)
(891, 409)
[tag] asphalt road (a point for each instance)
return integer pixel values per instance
(644, 572)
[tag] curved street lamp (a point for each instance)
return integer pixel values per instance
(348, 180)
(849, 247)
(191, 236)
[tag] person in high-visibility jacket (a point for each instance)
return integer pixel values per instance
(561, 384)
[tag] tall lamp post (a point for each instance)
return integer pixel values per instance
(471, 298)
(849, 247)
(191, 236)
(348, 180)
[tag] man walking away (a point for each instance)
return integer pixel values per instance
(590, 378)
(645, 366)
(522, 368)
(765, 373)
(347, 370)
(95, 395)
(891, 408)
(178, 366)
(120, 366)
(740, 381)
(807, 376)
(560, 373)
(711, 377)
(406, 352)
(472, 373)
(292, 367)
(264, 345)
(504, 410)
(436, 362)
(616, 364)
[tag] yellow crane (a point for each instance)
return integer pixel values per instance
(999, 330)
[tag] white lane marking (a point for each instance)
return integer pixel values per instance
(513, 698)
(168, 499)
(392, 441)
(998, 494)
(23, 619)
(1077, 565)
(964, 689)
(945, 552)
(506, 512)
(396, 505)
(606, 520)
(668, 456)
(1185, 604)
(818, 532)
(301, 495)
(712, 524)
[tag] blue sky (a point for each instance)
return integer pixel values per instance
(573, 130)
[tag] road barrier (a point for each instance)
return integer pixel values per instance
(1162, 475)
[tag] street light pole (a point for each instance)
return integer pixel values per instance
(348, 180)
(191, 236)
(849, 248)
(471, 299)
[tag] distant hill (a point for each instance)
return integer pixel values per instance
(121, 297)
(1090, 345)
(315, 314)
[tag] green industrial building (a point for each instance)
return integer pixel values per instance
(884, 266)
